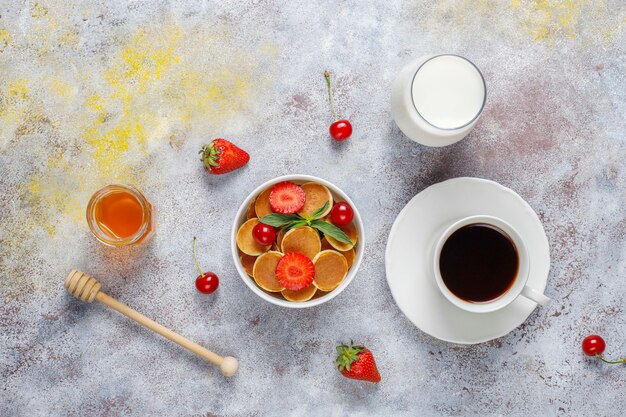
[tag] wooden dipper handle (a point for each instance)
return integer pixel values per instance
(83, 286)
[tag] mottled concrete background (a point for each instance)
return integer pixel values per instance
(129, 91)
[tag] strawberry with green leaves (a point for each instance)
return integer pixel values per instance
(221, 156)
(357, 362)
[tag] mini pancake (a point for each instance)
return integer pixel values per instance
(264, 271)
(319, 294)
(331, 268)
(304, 240)
(262, 204)
(245, 241)
(247, 262)
(349, 254)
(251, 211)
(316, 195)
(300, 295)
(350, 231)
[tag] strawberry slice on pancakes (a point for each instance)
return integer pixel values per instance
(295, 271)
(287, 197)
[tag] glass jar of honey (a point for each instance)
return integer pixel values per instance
(119, 215)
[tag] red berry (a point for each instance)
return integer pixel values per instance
(295, 271)
(287, 197)
(340, 130)
(264, 234)
(357, 362)
(593, 345)
(342, 214)
(221, 156)
(207, 282)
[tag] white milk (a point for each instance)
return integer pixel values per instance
(437, 100)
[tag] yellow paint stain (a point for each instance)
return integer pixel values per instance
(51, 195)
(35, 200)
(5, 39)
(51, 28)
(13, 109)
(62, 88)
(546, 21)
(222, 94)
(95, 103)
(157, 86)
(143, 61)
(59, 191)
(549, 19)
(18, 90)
(138, 70)
(38, 11)
(34, 187)
(609, 34)
(68, 38)
(146, 59)
(109, 145)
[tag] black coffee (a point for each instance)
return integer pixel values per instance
(479, 262)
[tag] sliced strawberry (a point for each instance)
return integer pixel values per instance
(295, 271)
(287, 197)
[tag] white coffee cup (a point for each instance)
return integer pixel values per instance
(437, 99)
(519, 286)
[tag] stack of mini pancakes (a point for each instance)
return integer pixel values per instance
(332, 259)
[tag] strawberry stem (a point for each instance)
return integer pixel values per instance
(195, 258)
(330, 95)
(347, 355)
(610, 362)
(210, 155)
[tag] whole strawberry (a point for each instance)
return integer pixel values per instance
(357, 362)
(221, 156)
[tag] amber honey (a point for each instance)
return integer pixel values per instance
(120, 215)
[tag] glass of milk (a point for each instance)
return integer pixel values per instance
(436, 100)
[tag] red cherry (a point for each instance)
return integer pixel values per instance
(264, 234)
(593, 345)
(207, 282)
(342, 214)
(340, 130)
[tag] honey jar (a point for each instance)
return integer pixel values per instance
(119, 215)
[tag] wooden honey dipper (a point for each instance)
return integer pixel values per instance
(83, 286)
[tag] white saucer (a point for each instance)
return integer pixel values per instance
(408, 258)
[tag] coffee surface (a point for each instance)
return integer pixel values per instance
(478, 262)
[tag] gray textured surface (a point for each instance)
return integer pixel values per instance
(92, 94)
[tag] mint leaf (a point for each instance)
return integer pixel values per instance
(331, 230)
(294, 224)
(278, 220)
(316, 214)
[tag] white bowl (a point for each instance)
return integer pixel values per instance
(241, 217)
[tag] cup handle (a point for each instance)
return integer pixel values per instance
(534, 295)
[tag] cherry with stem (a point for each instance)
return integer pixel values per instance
(594, 345)
(340, 130)
(206, 282)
